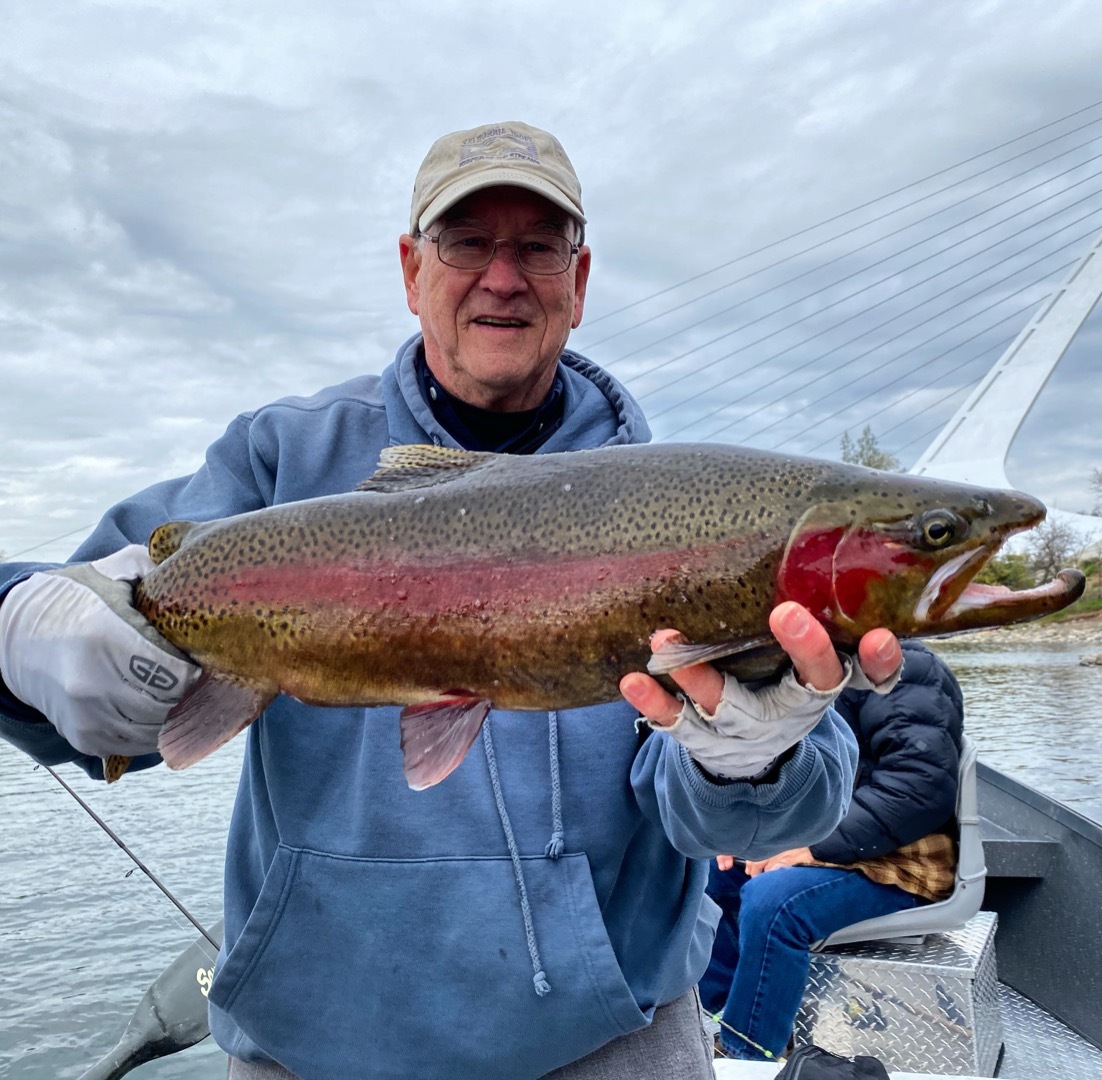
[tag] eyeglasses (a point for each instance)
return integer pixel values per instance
(472, 249)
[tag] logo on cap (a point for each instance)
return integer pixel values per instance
(499, 144)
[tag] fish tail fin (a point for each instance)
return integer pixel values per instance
(114, 766)
(436, 736)
(216, 708)
(166, 539)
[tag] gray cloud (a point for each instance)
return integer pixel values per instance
(199, 206)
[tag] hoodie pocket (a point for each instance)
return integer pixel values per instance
(386, 968)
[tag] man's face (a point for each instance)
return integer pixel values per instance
(493, 336)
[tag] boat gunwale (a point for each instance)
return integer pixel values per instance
(1059, 812)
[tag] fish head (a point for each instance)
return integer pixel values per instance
(902, 552)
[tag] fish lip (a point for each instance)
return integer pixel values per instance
(974, 606)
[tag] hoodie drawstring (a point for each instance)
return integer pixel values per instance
(554, 846)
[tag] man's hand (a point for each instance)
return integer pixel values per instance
(735, 732)
(73, 647)
(800, 856)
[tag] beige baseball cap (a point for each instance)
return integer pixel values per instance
(507, 153)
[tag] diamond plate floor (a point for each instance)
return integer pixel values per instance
(1039, 1047)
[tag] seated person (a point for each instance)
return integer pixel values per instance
(894, 849)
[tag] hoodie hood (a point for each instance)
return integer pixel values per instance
(598, 410)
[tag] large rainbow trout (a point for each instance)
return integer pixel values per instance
(454, 581)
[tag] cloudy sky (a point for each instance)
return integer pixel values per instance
(200, 201)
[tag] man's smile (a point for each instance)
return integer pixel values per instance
(493, 320)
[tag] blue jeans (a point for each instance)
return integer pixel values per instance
(762, 952)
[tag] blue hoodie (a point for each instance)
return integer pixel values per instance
(541, 901)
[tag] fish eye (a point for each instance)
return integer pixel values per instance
(940, 528)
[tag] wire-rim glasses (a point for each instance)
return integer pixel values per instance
(467, 248)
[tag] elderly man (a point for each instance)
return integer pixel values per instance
(542, 911)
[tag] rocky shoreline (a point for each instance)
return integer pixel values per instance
(1084, 631)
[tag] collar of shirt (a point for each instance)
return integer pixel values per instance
(481, 429)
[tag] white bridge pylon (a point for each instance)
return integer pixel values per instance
(974, 445)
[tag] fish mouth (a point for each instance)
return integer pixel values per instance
(949, 584)
(952, 601)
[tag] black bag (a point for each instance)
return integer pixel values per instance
(815, 1063)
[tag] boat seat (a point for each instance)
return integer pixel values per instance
(967, 895)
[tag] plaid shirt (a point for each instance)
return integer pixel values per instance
(926, 868)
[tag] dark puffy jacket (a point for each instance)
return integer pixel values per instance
(909, 746)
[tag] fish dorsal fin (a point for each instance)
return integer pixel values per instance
(166, 539)
(403, 467)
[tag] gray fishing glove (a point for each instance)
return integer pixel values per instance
(73, 647)
(750, 729)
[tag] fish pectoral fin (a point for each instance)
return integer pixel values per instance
(216, 708)
(436, 735)
(404, 467)
(114, 766)
(676, 654)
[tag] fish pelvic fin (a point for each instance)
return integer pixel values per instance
(436, 736)
(114, 766)
(404, 467)
(681, 654)
(166, 539)
(216, 708)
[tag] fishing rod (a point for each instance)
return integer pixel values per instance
(134, 858)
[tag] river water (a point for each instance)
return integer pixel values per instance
(83, 934)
